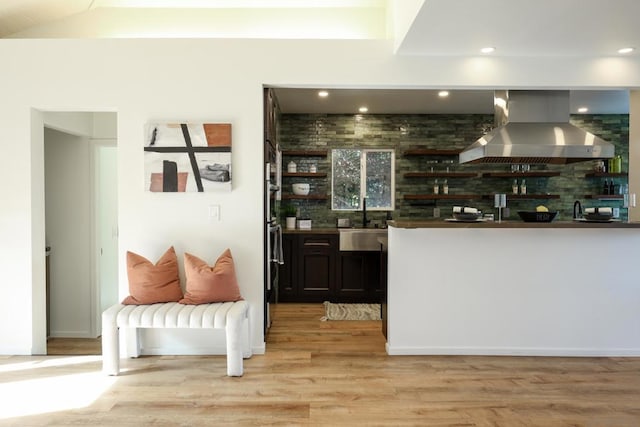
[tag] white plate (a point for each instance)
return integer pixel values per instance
(465, 220)
(596, 220)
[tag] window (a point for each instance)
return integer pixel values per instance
(358, 173)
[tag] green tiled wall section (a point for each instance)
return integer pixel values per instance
(438, 131)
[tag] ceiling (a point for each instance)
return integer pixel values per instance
(585, 28)
(419, 101)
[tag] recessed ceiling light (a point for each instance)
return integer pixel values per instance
(363, 109)
(488, 49)
(583, 110)
(443, 93)
(323, 94)
(625, 50)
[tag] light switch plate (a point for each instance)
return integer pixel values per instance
(214, 212)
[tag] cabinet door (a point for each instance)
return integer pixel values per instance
(358, 277)
(317, 267)
(287, 280)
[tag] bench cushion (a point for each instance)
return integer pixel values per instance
(170, 315)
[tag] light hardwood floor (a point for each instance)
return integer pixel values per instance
(326, 373)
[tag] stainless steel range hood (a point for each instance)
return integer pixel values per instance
(533, 127)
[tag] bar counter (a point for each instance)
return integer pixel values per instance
(513, 288)
(510, 224)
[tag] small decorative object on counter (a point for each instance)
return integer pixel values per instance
(523, 187)
(290, 212)
(292, 167)
(436, 187)
(304, 224)
(445, 187)
(514, 186)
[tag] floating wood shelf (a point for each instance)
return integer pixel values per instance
(440, 175)
(604, 196)
(305, 174)
(528, 196)
(606, 175)
(517, 175)
(305, 153)
(431, 152)
(442, 197)
(307, 197)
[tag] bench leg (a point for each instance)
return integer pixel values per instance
(234, 337)
(110, 349)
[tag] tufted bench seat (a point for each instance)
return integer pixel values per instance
(233, 317)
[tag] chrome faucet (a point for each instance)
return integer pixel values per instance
(365, 221)
(577, 209)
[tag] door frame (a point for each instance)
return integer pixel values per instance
(96, 289)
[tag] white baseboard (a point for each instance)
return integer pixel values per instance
(193, 351)
(512, 351)
(72, 334)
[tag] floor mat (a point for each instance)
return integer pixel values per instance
(351, 311)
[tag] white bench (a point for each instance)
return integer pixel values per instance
(233, 317)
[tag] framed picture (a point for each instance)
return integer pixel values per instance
(187, 157)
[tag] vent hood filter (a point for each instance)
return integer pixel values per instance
(533, 127)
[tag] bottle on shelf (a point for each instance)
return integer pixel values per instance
(514, 186)
(436, 187)
(605, 187)
(617, 163)
(445, 187)
(612, 187)
(523, 187)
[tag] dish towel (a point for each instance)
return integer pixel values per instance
(464, 209)
(276, 251)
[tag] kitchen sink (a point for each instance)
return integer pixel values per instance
(361, 239)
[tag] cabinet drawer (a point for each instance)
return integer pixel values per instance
(328, 241)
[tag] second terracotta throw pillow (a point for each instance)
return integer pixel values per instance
(206, 284)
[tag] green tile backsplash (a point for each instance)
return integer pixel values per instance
(438, 131)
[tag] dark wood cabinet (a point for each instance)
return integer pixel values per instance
(317, 267)
(287, 279)
(358, 277)
(315, 270)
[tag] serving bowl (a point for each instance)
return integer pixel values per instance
(534, 216)
(598, 216)
(300, 189)
(465, 216)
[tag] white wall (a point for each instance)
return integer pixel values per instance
(68, 195)
(216, 80)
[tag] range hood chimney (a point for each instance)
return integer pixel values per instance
(533, 127)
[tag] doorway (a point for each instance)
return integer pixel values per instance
(80, 162)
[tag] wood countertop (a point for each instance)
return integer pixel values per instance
(326, 230)
(511, 224)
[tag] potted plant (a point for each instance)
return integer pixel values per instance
(290, 212)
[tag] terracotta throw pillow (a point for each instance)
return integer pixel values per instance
(207, 284)
(149, 283)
